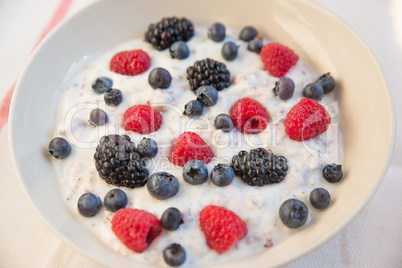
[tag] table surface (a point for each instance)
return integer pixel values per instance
(372, 240)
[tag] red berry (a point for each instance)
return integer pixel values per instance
(249, 116)
(142, 119)
(136, 228)
(130, 62)
(188, 146)
(221, 227)
(306, 120)
(278, 59)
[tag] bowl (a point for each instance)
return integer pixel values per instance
(321, 39)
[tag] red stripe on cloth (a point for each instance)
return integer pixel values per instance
(56, 18)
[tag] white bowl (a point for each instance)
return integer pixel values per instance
(367, 114)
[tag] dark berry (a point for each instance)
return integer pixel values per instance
(174, 255)
(179, 50)
(162, 185)
(284, 88)
(207, 95)
(98, 117)
(217, 32)
(293, 213)
(89, 205)
(313, 91)
(159, 78)
(195, 172)
(224, 122)
(101, 84)
(327, 82)
(248, 33)
(171, 219)
(332, 173)
(222, 175)
(193, 108)
(148, 148)
(115, 199)
(255, 45)
(59, 148)
(229, 51)
(320, 198)
(113, 97)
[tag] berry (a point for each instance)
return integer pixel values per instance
(164, 33)
(224, 123)
(174, 255)
(332, 173)
(278, 59)
(115, 199)
(306, 120)
(148, 148)
(229, 51)
(195, 172)
(222, 228)
(293, 213)
(222, 175)
(217, 32)
(59, 148)
(193, 109)
(179, 50)
(327, 82)
(259, 167)
(162, 185)
(101, 84)
(98, 117)
(89, 205)
(255, 45)
(249, 116)
(142, 119)
(207, 95)
(188, 146)
(159, 78)
(171, 219)
(118, 162)
(136, 228)
(313, 91)
(208, 72)
(320, 198)
(284, 88)
(248, 33)
(131, 62)
(113, 97)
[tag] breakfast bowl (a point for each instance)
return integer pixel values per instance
(366, 114)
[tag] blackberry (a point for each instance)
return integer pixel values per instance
(259, 167)
(169, 30)
(118, 162)
(208, 72)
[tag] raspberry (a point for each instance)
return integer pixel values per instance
(142, 119)
(249, 116)
(130, 62)
(221, 227)
(306, 120)
(188, 146)
(136, 228)
(278, 59)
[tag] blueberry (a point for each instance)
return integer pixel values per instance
(162, 185)
(217, 32)
(193, 108)
(293, 213)
(113, 97)
(248, 33)
(229, 51)
(159, 78)
(320, 198)
(174, 255)
(332, 173)
(313, 91)
(222, 175)
(179, 50)
(255, 45)
(115, 199)
(59, 148)
(224, 122)
(171, 219)
(195, 172)
(207, 95)
(327, 82)
(89, 205)
(101, 84)
(284, 88)
(98, 117)
(148, 148)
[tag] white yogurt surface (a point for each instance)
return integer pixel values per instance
(257, 206)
